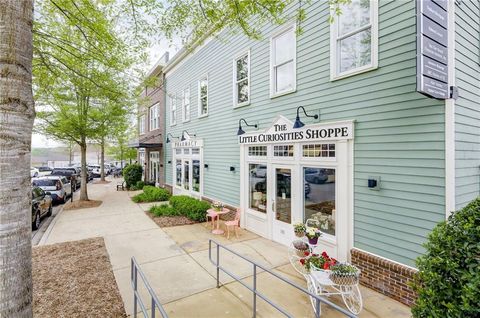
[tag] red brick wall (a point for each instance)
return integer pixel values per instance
(387, 277)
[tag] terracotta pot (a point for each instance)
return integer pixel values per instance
(299, 234)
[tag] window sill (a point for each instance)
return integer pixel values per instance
(354, 72)
(154, 129)
(175, 124)
(185, 121)
(279, 94)
(203, 116)
(235, 106)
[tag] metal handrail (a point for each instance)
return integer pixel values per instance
(254, 290)
(134, 271)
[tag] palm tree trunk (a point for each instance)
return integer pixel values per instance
(83, 189)
(16, 121)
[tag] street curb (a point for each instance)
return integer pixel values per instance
(50, 228)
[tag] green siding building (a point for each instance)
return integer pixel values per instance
(358, 73)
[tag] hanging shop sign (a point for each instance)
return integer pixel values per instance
(432, 48)
(282, 131)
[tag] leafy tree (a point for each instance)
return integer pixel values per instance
(120, 149)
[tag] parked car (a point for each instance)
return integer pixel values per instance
(34, 172)
(96, 170)
(71, 174)
(307, 189)
(44, 170)
(315, 175)
(260, 171)
(41, 206)
(59, 187)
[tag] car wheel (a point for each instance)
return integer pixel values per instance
(35, 174)
(36, 222)
(316, 180)
(49, 213)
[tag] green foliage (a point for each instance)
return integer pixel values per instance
(132, 174)
(448, 281)
(192, 208)
(163, 210)
(151, 194)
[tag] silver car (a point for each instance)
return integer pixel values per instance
(59, 187)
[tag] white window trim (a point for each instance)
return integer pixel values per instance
(334, 75)
(141, 124)
(173, 102)
(200, 115)
(184, 117)
(234, 80)
(273, 94)
(157, 115)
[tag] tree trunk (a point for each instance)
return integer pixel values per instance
(16, 121)
(102, 160)
(83, 189)
(121, 158)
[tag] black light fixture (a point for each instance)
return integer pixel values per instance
(298, 123)
(168, 139)
(183, 135)
(240, 130)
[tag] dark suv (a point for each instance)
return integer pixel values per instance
(72, 174)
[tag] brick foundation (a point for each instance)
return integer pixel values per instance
(387, 277)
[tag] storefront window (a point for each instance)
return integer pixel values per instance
(186, 175)
(179, 173)
(196, 175)
(258, 187)
(319, 203)
(283, 151)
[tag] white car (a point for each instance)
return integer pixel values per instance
(59, 187)
(96, 170)
(34, 172)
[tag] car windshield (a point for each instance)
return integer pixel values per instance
(62, 172)
(44, 183)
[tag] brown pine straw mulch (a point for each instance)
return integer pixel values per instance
(74, 279)
(168, 221)
(75, 205)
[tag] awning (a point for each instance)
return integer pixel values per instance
(142, 144)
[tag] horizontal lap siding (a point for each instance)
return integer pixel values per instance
(467, 114)
(399, 134)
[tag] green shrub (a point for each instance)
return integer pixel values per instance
(152, 194)
(163, 210)
(139, 185)
(448, 281)
(190, 207)
(132, 174)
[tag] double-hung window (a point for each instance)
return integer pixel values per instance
(203, 97)
(186, 104)
(283, 62)
(354, 39)
(154, 120)
(141, 124)
(241, 80)
(173, 109)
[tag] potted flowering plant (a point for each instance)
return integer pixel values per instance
(313, 235)
(318, 262)
(217, 206)
(299, 229)
(344, 274)
(301, 248)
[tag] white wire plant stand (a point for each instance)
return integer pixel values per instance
(319, 281)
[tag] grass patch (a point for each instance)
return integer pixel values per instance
(151, 194)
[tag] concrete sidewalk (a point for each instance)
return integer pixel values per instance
(175, 261)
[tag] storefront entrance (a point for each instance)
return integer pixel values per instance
(295, 180)
(154, 168)
(188, 172)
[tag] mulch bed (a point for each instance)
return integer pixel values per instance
(168, 221)
(75, 279)
(75, 205)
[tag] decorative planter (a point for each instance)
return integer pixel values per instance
(313, 241)
(300, 234)
(344, 279)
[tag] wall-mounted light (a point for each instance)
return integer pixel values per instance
(205, 166)
(183, 135)
(240, 130)
(373, 183)
(232, 168)
(168, 139)
(298, 123)
(169, 161)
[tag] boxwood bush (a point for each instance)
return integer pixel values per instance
(152, 194)
(190, 207)
(132, 174)
(448, 281)
(163, 210)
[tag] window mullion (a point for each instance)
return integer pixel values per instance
(349, 34)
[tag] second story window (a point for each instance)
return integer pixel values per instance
(173, 109)
(283, 62)
(203, 97)
(186, 104)
(154, 120)
(141, 124)
(354, 39)
(241, 80)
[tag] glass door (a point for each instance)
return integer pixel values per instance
(282, 203)
(154, 166)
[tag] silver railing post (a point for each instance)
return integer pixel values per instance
(254, 290)
(135, 284)
(153, 308)
(317, 308)
(218, 266)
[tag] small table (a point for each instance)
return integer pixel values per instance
(218, 231)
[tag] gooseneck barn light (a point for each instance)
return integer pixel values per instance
(168, 139)
(240, 130)
(183, 135)
(298, 123)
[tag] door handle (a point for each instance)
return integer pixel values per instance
(273, 205)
